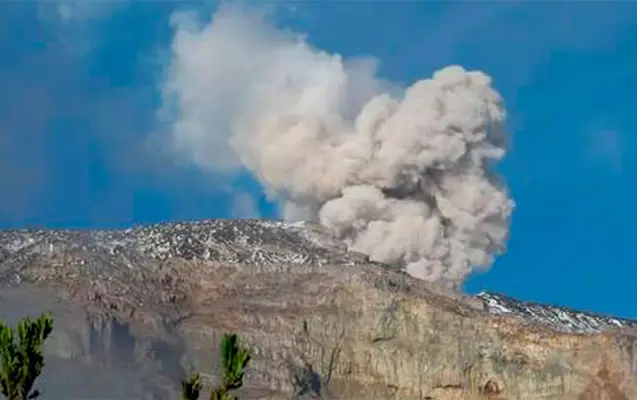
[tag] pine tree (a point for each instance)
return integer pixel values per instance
(191, 387)
(22, 356)
(234, 359)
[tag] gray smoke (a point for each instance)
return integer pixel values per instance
(400, 174)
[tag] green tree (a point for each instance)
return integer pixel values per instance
(191, 387)
(21, 351)
(234, 359)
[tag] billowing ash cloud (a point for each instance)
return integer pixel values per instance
(401, 175)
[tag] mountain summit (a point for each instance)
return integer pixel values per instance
(136, 309)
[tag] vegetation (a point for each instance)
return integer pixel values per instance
(234, 359)
(21, 351)
(191, 387)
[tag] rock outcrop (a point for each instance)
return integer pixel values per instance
(136, 309)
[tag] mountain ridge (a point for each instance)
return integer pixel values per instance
(321, 320)
(270, 242)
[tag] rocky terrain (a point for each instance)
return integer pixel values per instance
(136, 309)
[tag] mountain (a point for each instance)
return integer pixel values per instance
(136, 309)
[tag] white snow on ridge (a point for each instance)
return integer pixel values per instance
(239, 240)
(562, 319)
(253, 242)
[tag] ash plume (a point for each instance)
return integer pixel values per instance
(401, 174)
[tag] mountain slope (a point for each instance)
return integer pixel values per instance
(319, 318)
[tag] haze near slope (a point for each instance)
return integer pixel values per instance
(401, 175)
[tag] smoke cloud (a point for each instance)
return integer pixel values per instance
(403, 175)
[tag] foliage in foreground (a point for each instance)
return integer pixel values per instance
(21, 352)
(234, 359)
(191, 387)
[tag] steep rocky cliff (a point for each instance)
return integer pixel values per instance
(136, 309)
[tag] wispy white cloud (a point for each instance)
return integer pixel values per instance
(244, 205)
(74, 22)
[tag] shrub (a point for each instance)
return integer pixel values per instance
(234, 359)
(21, 351)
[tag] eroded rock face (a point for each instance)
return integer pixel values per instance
(136, 309)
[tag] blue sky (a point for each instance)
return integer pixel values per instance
(80, 93)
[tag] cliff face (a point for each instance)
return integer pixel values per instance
(136, 309)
